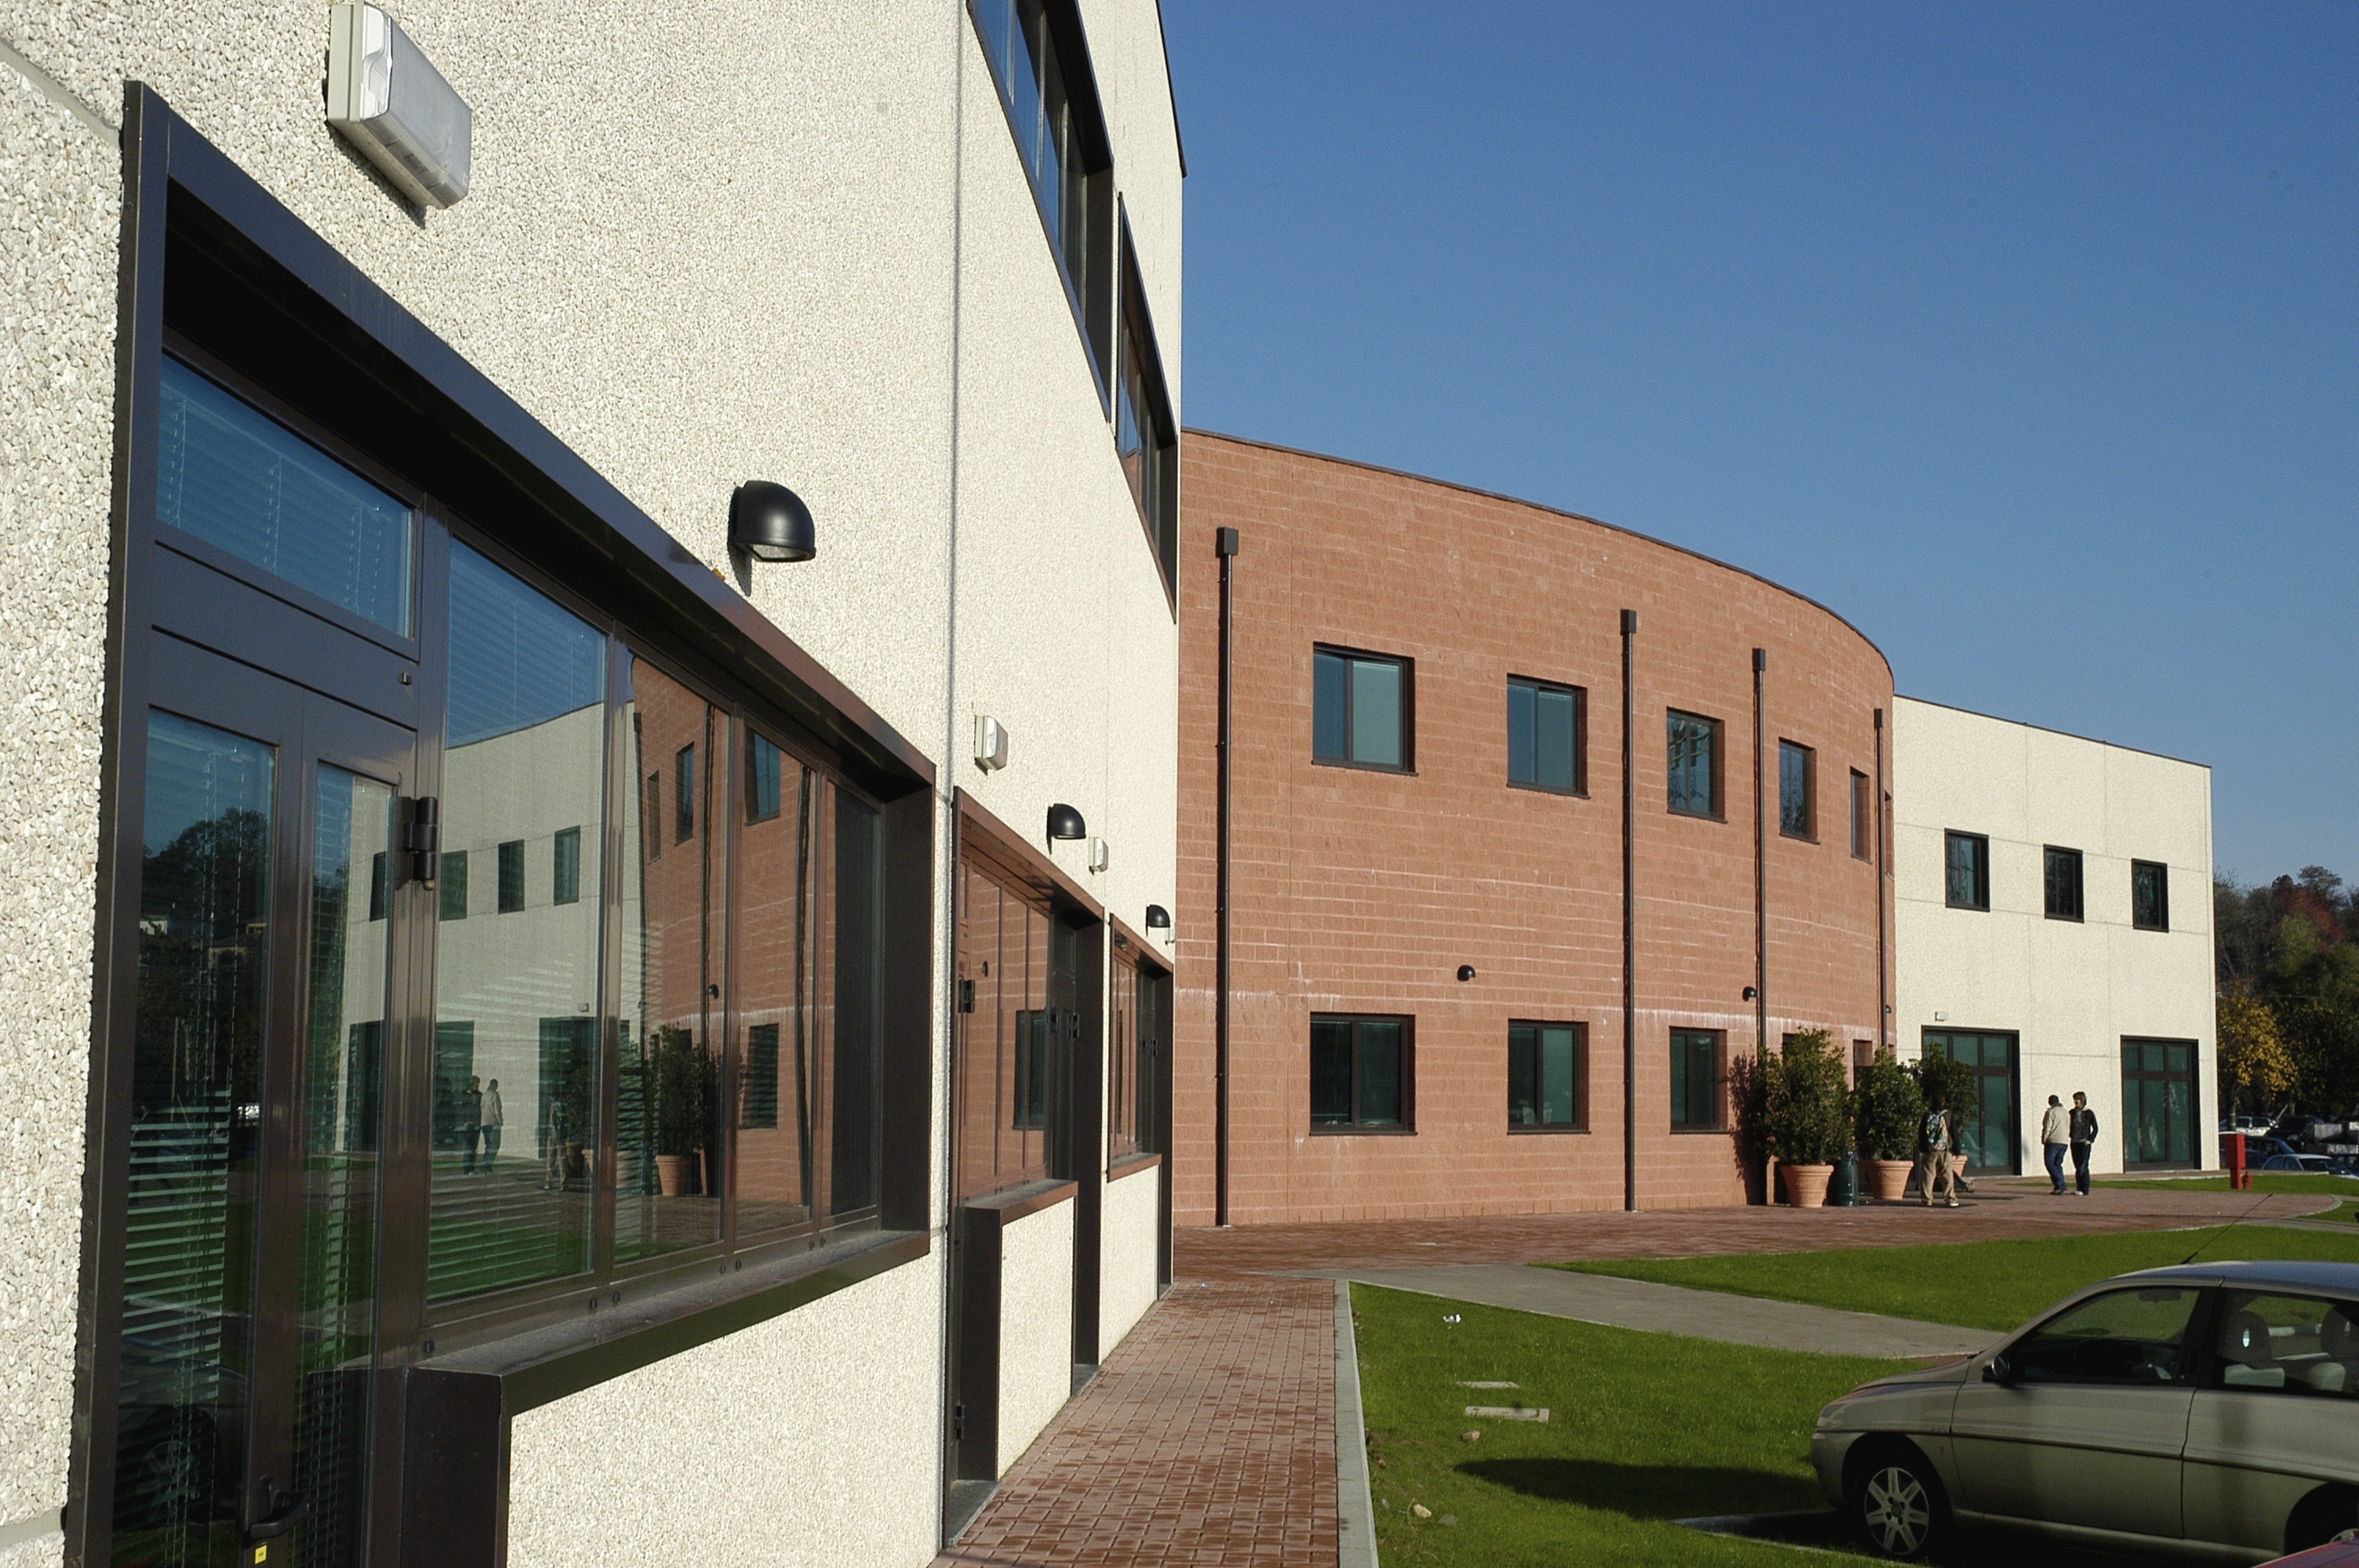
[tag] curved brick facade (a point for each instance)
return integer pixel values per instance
(1364, 892)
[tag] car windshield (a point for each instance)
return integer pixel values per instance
(2122, 1336)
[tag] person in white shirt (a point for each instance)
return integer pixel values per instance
(2055, 1143)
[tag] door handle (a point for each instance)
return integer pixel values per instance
(286, 1510)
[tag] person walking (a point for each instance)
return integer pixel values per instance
(494, 1119)
(1933, 1167)
(2084, 1138)
(2055, 1140)
(470, 1118)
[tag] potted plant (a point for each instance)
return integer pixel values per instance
(1807, 1114)
(1944, 1078)
(1886, 1108)
(682, 1095)
(1748, 1092)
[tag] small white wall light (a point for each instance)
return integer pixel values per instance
(387, 100)
(990, 744)
(1097, 854)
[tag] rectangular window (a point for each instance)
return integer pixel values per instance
(380, 884)
(683, 804)
(1985, 1131)
(512, 876)
(2149, 895)
(1862, 816)
(1359, 1074)
(453, 884)
(1798, 790)
(1545, 1077)
(1041, 65)
(1360, 709)
(764, 769)
(1547, 736)
(761, 1099)
(2158, 1110)
(565, 883)
(651, 833)
(1012, 968)
(1124, 1025)
(1694, 764)
(2063, 879)
(2302, 1346)
(1034, 1034)
(1696, 1071)
(1966, 879)
(1146, 438)
(233, 477)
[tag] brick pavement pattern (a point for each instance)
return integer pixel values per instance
(1208, 1436)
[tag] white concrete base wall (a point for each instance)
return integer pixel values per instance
(1036, 1326)
(810, 1440)
(1127, 1245)
(43, 1551)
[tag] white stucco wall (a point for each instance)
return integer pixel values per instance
(1036, 1326)
(704, 243)
(2070, 989)
(1127, 1250)
(808, 1440)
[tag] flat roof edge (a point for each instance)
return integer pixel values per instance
(1900, 696)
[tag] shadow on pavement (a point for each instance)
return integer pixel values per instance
(1645, 1491)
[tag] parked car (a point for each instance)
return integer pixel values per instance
(2316, 1164)
(2260, 1150)
(2338, 1555)
(2210, 1411)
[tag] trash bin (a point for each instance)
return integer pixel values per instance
(1842, 1190)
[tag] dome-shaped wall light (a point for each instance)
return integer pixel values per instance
(1158, 918)
(770, 522)
(1064, 822)
(1465, 973)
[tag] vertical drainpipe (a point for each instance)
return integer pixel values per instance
(1225, 544)
(1629, 938)
(1883, 996)
(1760, 876)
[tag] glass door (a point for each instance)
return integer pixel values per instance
(2159, 1103)
(267, 977)
(1986, 1138)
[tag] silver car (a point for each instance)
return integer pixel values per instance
(2209, 1412)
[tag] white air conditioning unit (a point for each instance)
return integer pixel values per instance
(387, 100)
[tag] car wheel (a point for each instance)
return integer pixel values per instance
(2328, 1514)
(1898, 1504)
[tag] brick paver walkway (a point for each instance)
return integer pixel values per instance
(1208, 1436)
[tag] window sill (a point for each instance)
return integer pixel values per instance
(1542, 1129)
(2070, 919)
(1352, 1131)
(2157, 930)
(1798, 837)
(1016, 1203)
(1700, 1131)
(1131, 1166)
(1362, 767)
(1971, 908)
(1695, 815)
(1548, 789)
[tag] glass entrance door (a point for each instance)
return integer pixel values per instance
(248, 1257)
(2159, 1103)
(1986, 1138)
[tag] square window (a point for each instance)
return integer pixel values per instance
(1545, 1077)
(1694, 764)
(1360, 1074)
(1798, 790)
(2149, 895)
(565, 884)
(1696, 1073)
(2063, 881)
(1862, 816)
(1966, 858)
(1548, 736)
(512, 876)
(1360, 709)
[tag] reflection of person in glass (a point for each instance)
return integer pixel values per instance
(471, 1106)
(560, 1124)
(492, 1118)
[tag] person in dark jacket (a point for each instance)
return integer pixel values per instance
(2084, 1139)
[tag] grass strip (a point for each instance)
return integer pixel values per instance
(1996, 1285)
(1642, 1429)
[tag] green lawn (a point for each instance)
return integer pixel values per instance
(1643, 1428)
(1996, 1285)
(2342, 1187)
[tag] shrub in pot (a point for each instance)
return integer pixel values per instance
(1807, 1114)
(683, 1108)
(1886, 1110)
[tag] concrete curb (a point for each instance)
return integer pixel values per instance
(1356, 1513)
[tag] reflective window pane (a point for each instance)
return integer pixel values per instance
(855, 1135)
(1554, 739)
(238, 479)
(1330, 1072)
(1691, 766)
(1381, 1073)
(669, 1153)
(1523, 732)
(785, 995)
(1376, 737)
(516, 997)
(188, 1323)
(1330, 706)
(1557, 1066)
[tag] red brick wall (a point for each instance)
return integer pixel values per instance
(1364, 892)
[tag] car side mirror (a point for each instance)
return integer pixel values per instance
(1998, 1372)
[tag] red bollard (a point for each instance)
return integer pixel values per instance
(2232, 1155)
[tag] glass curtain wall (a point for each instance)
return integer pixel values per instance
(1005, 1038)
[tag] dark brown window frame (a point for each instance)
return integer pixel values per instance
(1408, 664)
(1981, 874)
(2161, 870)
(2052, 856)
(1718, 1126)
(1407, 1125)
(1862, 816)
(1580, 694)
(1719, 812)
(1579, 1122)
(1809, 754)
(1159, 514)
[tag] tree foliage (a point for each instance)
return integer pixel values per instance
(1805, 1105)
(2257, 1070)
(2287, 969)
(1887, 1108)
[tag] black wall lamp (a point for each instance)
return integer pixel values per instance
(1465, 972)
(770, 522)
(1064, 822)
(1158, 918)
(1750, 993)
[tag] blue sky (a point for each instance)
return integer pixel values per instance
(2027, 337)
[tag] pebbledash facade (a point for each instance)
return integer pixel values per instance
(596, 1045)
(1470, 736)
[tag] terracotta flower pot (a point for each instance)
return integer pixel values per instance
(1888, 1179)
(671, 1175)
(1806, 1186)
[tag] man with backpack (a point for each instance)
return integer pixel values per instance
(2084, 1139)
(1933, 1154)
